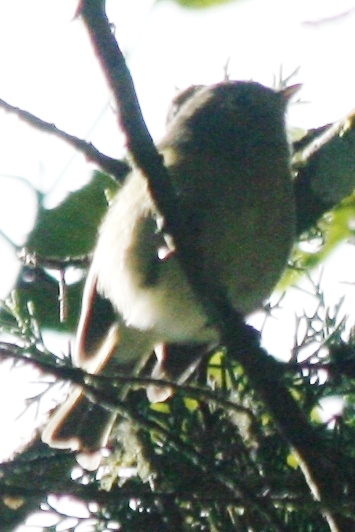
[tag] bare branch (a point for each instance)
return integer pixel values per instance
(114, 167)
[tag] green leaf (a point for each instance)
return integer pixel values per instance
(198, 4)
(70, 228)
(335, 227)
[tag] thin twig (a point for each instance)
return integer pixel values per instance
(92, 384)
(111, 401)
(301, 157)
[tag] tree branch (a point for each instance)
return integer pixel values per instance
(325, 162)
(114, 167)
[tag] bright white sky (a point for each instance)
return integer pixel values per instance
(47, 67)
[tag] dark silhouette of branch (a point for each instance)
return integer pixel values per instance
(114, 167)
(324, 162)
(94, 384)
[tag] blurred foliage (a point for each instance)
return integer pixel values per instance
(208, 460)
(65, 232)
(198, 4)
(316, 245)
(324, 166)
(69, 230)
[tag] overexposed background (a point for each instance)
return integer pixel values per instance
(47, 67)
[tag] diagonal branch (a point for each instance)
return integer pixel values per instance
(115, 167)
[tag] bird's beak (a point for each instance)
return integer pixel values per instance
(288, 92)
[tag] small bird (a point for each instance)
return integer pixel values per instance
(228, 158)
